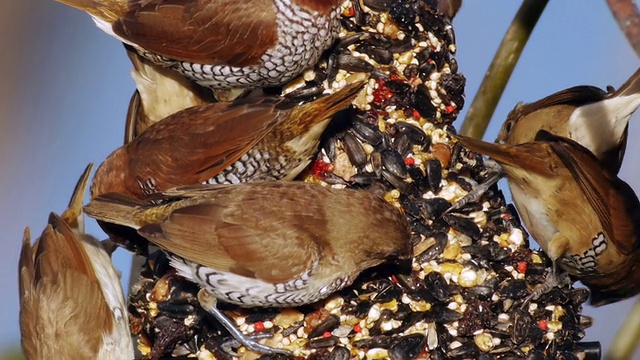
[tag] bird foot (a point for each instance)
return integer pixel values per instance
(208, 303)
(476, 193)
(250, 342)
(554, 279)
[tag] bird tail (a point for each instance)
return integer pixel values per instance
(103, 12)
(117, 209)
(73, 214)
(630, 87)
(498, 152)
(325, 107)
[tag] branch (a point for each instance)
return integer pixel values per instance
(628, 17)
(625, 342)
(481, 110)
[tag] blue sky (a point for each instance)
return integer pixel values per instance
(70, 89)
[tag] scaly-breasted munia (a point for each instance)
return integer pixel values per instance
(223, 44)
(584, 217)
(588, 115)
(247, 140)
(71, 302)
(160, 92)
(271, 244)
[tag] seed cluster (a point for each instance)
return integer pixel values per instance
(464, 295)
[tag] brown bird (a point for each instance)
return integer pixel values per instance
(596, 119)
(223, 44)
(584, 217)
(160, 92)
(71, 302)
(248, 140)
(271, 244)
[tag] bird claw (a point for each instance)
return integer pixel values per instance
(250, 342)
(476, 193)
(208, 303)
(554, 279)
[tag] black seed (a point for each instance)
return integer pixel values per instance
(351, 39)
(438, 286)
(453, 84)
(435, 207)
(348, 24)
(354, 150)
(407, 347)
(416, 134)
(379, 5)
(421, 228)
(397, 182)
(402, 144)
(330, 323)
(410, 206)
(394, 163)
(322, 342)
(422, 102)
(380, 55)
(434, 175)
(513, 289)
(465, 350)
(442, 315)
(365, 178)
(367, 132)
(463, 225)
(306, 92)
(434, 250)
(380, 341)
(418, 177)
(354, 64)
(340, 353)
(522, 323)
(292, 329)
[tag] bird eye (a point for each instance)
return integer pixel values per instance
(507, 126)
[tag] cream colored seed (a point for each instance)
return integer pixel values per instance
(484, 342)
(205, 355)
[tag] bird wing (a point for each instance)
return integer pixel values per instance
(246, 234)
(611, 198)
(577, 95)
(221, 32)
(57, 281)
(198, 143)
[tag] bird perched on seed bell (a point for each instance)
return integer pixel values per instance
(271, 244)
(71, 302)
(247, 140)
(584, 217)
(596, 119)
(223, 44)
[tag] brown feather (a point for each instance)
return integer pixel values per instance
(202, 31)
(218, 134)
(57, 284)
(160, 92)
(273, 231)
(607, 194)
(198, 143)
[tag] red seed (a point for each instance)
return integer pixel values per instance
(321, 169)
(522, 267)
(449, 109)
(258, 326)
(543, 324)
(326, 334)
(357, 328)
(409, 161)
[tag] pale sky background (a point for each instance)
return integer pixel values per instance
(66, 88)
